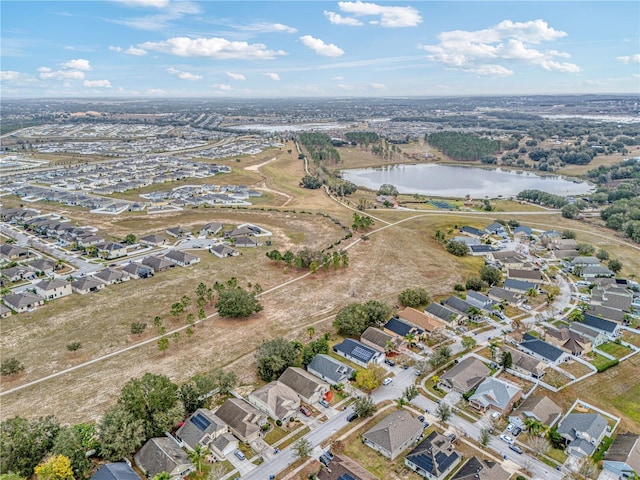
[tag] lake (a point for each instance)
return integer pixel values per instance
(459, 181)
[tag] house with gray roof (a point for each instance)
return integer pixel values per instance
(499, 295)
(158, 264)
(21, 302)
(110, 276)
(433, 458)
(595, 337)
(275, 399)
(466, 375)
(393, 434)
(329, 369)
(401, 328)
(358, 352)
(211, 228)
(583, 432)
(86, 285)
(12, 252)
(468, 241)
(163, 454)
(243, 419)
(583, 261)
(309, 388)
(532, 276)
(472, 231)
(137, 270)
(222, 251)
(53, 288)
(153, 240)
(183, 259)
(478, 469)
(376, 338)
(245, 242)
(623, 456)
(5, 311)
(42, 266)
(115, 471)
(538, 407)
(518, 286)
(495, 394)
(525, 363)
(343, 468)
(479, 300)
(457, 304)
(495, 228)
(205, 429)
(542, 350)
(452, 317)
(593, 271)
(609, 328)
(17, 273)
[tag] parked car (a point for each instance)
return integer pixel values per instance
(352, 416)
(239, 454)
(510, 427)
(324, 460)
(421, 418)
(515, 448)
(324, 403)
(391, 363)
(305, 411)
(516, 431)
(506, 438)
(386, 381)
(329, 454)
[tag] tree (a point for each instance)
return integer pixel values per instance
(370, 378)
(198, 456)
(162, 476)
(485, 437)
(364, 406)
(74, 346)
(138, 327)
(410, 338)
(468, 342)
(309, 181)
(557, 440)
(177, 309)
(576, 315)
(585, 249)
(421, 367)
(73, 442)
(163, 344)
(443, 412)
(474, 312)
(490, 275)
(130, 239)
(602, 255)
(410, 392)
(201, 290)
(459, 249)
(352, 320)
(532, 292)
(492, 349)
(506, 360)
(57, 467)
(414, 297)
(24, 442)
(311, 332)
(154, 400)
(120, 433)
(534, 426)
(157, 322)
(615, 265)
(475, 283)
(539, 445)
(10, 366)
(274, 357)
(302, 448)
(237, 303)
(388, 189)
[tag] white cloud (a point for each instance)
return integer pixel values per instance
(169, 11)
(635, 58)
(214, 47)
(156, 91)
(338, 19)
(77, 64)
(221, 86)
(145, 3)
(183, 75)
(8, 75)
(321, 48)
(483, 51)
(389, 16)
(236, 76)
(136, 52)
(48, 74)
(268, 28)
(97, 83)
(272, 76)
(347, 87)
(378, 86)
(115, 49)
(338, 78)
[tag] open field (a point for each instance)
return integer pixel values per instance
(577, 369)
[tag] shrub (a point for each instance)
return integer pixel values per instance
(11, 366)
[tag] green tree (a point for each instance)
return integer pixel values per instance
(198, 457)
(157, 322)
(602, 255)
(57, 467)
(201, 290)
(311, 332)
(162, 476)
(10, 366)
(274, 357)
(459, 249)
(154, 400)
(185, 301)
(443, 412)
(534, 426)
(309, 181)
(364, 406)
(506, 360)
(410, 392)
(24, 442)
(368, 379)
(615, 265)
(388, 189)
(138, 327)
(475, 283)
(485, 437)
(237, 303)
(176, 309)
(73, 442)
(302, 448)
(490, 275)
(163, 344)
(414, 297)
(474, 312)
(130, 239)
(492, 349)
(468, 342)
(120, 433)
(351, 320)
(74, 346)
(11, 476)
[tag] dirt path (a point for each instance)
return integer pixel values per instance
(263, 184)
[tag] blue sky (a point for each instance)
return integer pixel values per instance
(167, 48)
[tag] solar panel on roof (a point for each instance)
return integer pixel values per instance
(346, 476)
(361, 353)
(200, 421)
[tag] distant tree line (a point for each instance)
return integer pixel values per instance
(319, 147)
(308, 259)
(463, 146)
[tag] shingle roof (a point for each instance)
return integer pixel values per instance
(433, 454)
(541, 348)
(625, 448)
(400, 327)
(441, 312)
(51, 284)
(241, 416)
(541, 408)
(394, 430)
(203, 422)
(379, 338)
(476, 469)
(302, 382)
(115, 471)
(526, 274)
(23, 299)
(591, 423)
(519, 285)
(467, 374)
(599, 323)
(494, 392)
(330, 368)
(161, 454)
(458, 304)
(87, 283)
(356, 349)
(280, 398)
(502, 294)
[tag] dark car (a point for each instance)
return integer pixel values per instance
(324, 460)
(391, 363)
(352, 416)
(329, 454)
(516, 431)
(421, 418)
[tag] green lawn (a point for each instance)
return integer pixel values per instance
(615, 349)
(557, 454)
(601, 450)
(628, 402)
(274, 435)
(598, 360)
(293, 438)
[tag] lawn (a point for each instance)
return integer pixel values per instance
(598, 360)
(276, 433)
(598, 455)
(293, 438)
(577, 369)
(558, 455)
(615, 349)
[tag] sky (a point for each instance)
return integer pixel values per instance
(244, 49)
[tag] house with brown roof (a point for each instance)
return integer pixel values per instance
(42, 266)
(181, 258)
(158, 264)
(163, 454)
(12, 252)
(426, 321)
(623, 456)
(532, 276)
(86, 285)
(17, 273)
(568, 340)
(383, 341)
(466, 375)
(524, 363)
(275, 399)
(393, 434)
(478, 469)
(538, 407)
(343, 468)
(53, 288)
(244, 419)
(110, 276)
(309, 388)
(223, 251)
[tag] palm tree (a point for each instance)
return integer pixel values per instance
(410, 338)
(534, 426)
(532, 292)
(198, 456)
(474, 312)
(389, 346)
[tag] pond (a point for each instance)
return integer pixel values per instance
(459, 181)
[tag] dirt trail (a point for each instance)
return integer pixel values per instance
(263, 184)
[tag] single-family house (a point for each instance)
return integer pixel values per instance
(343, 468)
(593, 336)
(275, 399)
(509, 259)
(42, 266)
(425, 321)
(239, 232)
(518, 286)
(524, 363)
(245, 242)
(444, 313)
(207, 430)
(542, 350)
(358, 352)
(479, 300)
(595, 271)
(478, 469)
(401, 328)
(115, 471)
(21, 302)
(177, 232)
(496, 229)
(222, 251)
(181, 258)
(244, 420)
(540, 408)
(608, 313)
(211, 228)
(137, 270)
(153, 240)
(17, 273)
(500, 295)
(522, 233)
(433, 458)
(623, 456)
(163, 454)
(110, 276)
(53, 288)
(468, 241)
(329, 369)
(531, 276)
(393, 434)
(583, 261)
(472, 231)
(459, 305)
(495, 394)
(466, 375)
(12, 252)
(583, 432)
(86, 285)
(609, 328)
(158, 264)
(307, 386)
(111, 250)
(481, 249)
(383, 341)
(568, 340)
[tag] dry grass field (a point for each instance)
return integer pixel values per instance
(400, 256)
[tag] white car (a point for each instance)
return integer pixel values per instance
(510, 427)
(386, 381)
(506, 438)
